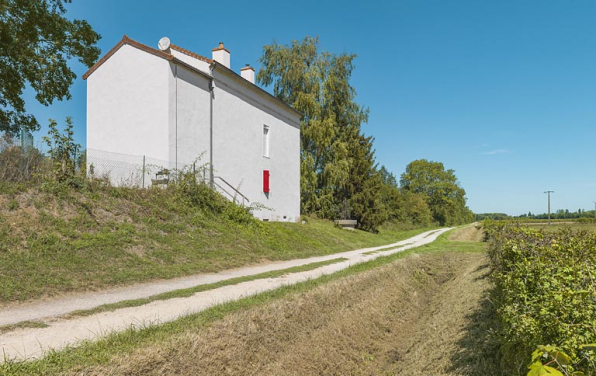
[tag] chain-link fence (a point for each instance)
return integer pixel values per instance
(143, 172)
(19, 161)
(137, 170)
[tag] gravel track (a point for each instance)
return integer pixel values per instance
(31, 343)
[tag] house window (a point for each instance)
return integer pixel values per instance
(266, 141)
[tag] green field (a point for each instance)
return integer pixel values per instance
(556, 226)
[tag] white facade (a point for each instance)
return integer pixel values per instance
(172, 105)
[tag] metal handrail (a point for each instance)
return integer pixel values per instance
(223, 190)
(231, 186)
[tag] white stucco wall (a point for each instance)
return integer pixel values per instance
(127, 117)
(239, 117)
(189, 116)
(127, 100)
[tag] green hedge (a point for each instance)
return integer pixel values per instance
(545, 293)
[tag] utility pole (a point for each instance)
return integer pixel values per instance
(594, 209)
(549, 192)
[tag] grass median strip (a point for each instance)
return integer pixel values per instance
(386, 249)
(101, 352)
(429, 234)
(182, 293)
(22, 325)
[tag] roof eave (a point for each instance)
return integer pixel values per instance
(190, 53)
(249, 84)
(191, 68)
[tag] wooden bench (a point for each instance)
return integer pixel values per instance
(347, 224)
(162, 177)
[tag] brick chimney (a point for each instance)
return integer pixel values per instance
(221, 55)
(248, 73)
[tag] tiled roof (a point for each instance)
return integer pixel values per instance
(134, 43)
(190, 53)
(172, 58)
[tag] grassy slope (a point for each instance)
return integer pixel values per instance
(376, 309)
(59, 240)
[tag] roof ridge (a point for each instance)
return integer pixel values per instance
(126, 40)
(190, 53)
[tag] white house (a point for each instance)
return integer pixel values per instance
(172, 105)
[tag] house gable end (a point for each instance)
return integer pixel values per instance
(126, 41)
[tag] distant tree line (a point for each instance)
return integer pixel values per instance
(340, 178)
(559, 214)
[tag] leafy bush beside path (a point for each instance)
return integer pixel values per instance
(545, 293)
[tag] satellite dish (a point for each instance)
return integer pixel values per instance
(164, 43)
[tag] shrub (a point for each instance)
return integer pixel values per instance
(545, 293)
(62, 151)
(190, 188)
(19, 164)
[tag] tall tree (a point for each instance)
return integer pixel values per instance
(445, 197)
(36, 42)
(364, 188)
(318, 85)
(402, 205)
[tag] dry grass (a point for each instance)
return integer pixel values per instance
(470, 233)
(422, 315)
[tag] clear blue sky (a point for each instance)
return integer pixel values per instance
(501, 91)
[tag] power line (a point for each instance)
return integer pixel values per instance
(549, 192)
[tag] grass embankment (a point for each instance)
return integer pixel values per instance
(57, 240)
(418, 315)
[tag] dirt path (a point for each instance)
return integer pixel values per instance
(33, 342)
(422, 315)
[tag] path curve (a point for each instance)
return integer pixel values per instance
(32, 343)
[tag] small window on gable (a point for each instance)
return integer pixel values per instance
(266, 141)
